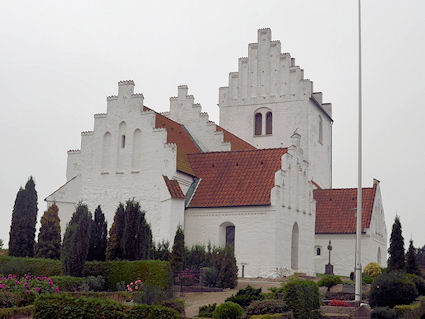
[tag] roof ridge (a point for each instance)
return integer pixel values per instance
(241, 151)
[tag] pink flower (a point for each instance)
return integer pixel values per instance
(27, 291)
(38, 278)
(57, 289)
(136, 287)
(131, 283)
(17, 282)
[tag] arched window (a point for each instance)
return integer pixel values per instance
(227, 234)
(258, 130)
(318, 251)
(320, 130)
(121, 146)
(269, 123)
(137, 150)
(294, 247)
(106, 152)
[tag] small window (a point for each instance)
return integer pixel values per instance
(258, 124)
(122, 141)
(230, 236)
(269, 122)
(318, 251)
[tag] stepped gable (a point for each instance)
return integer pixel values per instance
(173, 187)
(178, 135)
(336, 209)
(236, 143)
(236, 178)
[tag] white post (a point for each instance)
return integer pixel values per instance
(358, 287)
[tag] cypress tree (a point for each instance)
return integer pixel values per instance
(98, 234)
(49, 237)
(136, 241)
(228, 275)
(76, 242)
(177, 253)
(24, 219)
(113, 247)
(396, 251)
(412, 266)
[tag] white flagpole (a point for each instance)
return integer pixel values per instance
(358, 287)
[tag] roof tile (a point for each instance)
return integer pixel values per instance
(174, 188)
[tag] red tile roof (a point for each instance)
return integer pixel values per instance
(237, 144)
(173, 187)
(177, 134)
(336, 209)
(236, 178)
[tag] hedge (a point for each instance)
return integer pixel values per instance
(412, 311)
(35, 266)
(153, 273)
(68, 283)
(6, 313)
(66, 307)
(286, 315)
(302, 297)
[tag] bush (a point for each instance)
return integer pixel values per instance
(262, 307)
(383, 313)
(287, 315)
(17, 312)
(244, 297)
(275, 292)
(209, 276)
(154, 273)
(412, 311)
(34, 266)
(366, 279)
(153, 312)
(149, 295)
(302, 297)
(392, 289)
(373, 270)
(176, 304)
(207, 310)
(419, 283)
(93, 283)
(228, 275)
(68, 283)
(329, 281)
(228, 310)
(67, 307)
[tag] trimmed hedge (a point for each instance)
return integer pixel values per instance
(286, 315)
(383, 313)
(154, 273)
(34, 266)
(268, 306)
(412, 311)
(68, 283)
(66, 307)
(302, 297)
(6, 313)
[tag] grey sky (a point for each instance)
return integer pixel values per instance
(59, 60)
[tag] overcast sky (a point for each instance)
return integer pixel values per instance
(60, 59)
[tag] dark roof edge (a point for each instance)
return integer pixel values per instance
(320, 107)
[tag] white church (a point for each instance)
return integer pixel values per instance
(260, 181)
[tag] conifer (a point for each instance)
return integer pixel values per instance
(76, 242)
(24, 218)
(98, 234)
(49, 237)
(113, 247)
(228, 275)
(177, 253)
(412, 266)
(396, 260)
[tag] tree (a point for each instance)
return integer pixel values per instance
(177, 254)
(98, 234)
(113, 247)
(228, 275)
(24, 218)
(412, 266)
(49, 237)
(396, 251)
(76, 241)
(136, 241)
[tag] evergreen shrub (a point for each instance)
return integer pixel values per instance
(412, 311)
(176, 304)
(209, 276)
(419, 283)
(207, 310)
(245, 296)
(268, 306)
(391, 289)
(383, 313)
(68, 283)
(228, 310)
(287, 315)
(302, 297)
(34, 266)
(49, 237)
(329, 281)
(154, 273)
